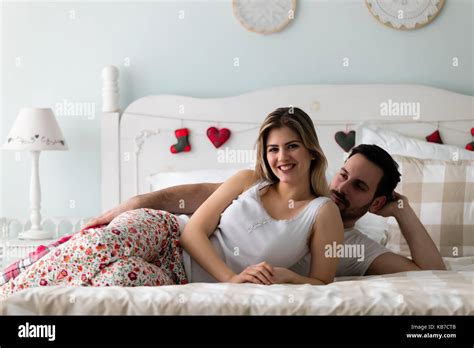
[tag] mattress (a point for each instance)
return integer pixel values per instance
(407, 293)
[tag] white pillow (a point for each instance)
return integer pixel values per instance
(397, 144)
(163, 180)
(374, 226)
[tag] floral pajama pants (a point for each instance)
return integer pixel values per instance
(138, 248)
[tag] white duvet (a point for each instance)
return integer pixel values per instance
(408, 293)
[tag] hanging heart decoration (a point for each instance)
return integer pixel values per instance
(470, 146)
(434, 137)
(346, 140)
(218, 136)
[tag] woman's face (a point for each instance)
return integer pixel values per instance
(287, 156)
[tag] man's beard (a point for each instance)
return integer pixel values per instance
(348, 213)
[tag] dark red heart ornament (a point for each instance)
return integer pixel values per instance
(345, 140)
(470, 146)
(434, 137)
(218, 136)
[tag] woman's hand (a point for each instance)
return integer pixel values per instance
(261, 273)
(282, 275)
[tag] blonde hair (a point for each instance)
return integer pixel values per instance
(298, 121)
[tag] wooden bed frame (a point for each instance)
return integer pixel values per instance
(135, 142)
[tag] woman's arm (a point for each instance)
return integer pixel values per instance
(327, 230)
(195, 237)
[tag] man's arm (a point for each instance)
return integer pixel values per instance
(425, 254)
(181, 199)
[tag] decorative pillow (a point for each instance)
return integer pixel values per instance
(442, 194)
(397, 144)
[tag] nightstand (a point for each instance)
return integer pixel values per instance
(12, 248)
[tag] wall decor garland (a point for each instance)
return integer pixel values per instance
(345, 139)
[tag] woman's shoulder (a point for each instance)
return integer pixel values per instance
(326, 205)
(249, 178)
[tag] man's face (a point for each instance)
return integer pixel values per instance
(353, 187)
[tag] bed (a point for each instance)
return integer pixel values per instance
(136, 159)
(407, 293)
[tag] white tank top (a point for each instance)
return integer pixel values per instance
(247, 235)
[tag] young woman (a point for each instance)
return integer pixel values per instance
(253, 228)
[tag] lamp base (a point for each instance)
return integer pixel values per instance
(36, 235)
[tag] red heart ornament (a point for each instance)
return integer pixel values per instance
(218, 136)
(470, 146)
(434, 137)
(472, 132)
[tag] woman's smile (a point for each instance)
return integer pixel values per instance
(286, 168)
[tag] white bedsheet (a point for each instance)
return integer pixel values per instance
(408, 293)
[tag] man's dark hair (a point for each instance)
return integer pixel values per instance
(381, 158)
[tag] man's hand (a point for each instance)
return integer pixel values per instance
(394, 208)
(108, 216)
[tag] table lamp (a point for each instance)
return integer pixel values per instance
(36, 130)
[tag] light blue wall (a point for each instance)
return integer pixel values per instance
(62, 58)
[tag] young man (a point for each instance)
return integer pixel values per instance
(366, 182)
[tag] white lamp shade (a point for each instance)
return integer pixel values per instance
(35, 129)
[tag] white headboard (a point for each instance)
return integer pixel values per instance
(135, 143)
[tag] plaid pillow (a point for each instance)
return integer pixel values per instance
(442, 194)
